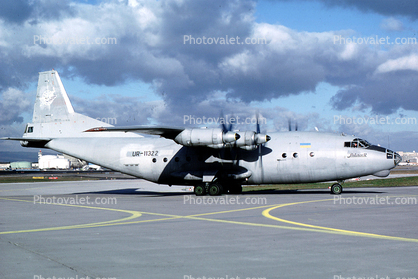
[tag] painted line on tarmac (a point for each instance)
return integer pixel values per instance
(266, 213)
(134, 215)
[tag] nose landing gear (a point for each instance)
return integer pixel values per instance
(336, 189)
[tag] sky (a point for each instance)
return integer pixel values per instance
(337, 66)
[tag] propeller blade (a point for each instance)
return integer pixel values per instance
(258, 123)
(224, 127)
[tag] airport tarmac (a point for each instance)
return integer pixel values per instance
(135, 229)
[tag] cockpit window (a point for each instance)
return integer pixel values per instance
(30, 129)
(357, 143)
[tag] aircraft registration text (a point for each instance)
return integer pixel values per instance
(151, 153)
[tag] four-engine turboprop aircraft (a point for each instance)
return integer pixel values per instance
(213, 160)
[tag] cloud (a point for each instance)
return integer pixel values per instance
(13, 103)
(407, 8)
(15, 11)
(392, 24)
(409, 62)
(150, 48)
(384, 93)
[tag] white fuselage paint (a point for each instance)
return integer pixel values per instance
(309, 157)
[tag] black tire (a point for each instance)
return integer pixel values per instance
(215, 189)
(336, 189)
(200, 190)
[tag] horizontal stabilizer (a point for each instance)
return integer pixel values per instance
(27, 139)
(30, 142)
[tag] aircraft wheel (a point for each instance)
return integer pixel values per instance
(200, 190)
(336, 189)
(215, 189)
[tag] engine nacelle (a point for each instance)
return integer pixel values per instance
(213, 138)
(250, 140)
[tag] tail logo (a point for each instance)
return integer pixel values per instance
(48, 96)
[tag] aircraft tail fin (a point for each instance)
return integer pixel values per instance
(53, 114)
(52, 102)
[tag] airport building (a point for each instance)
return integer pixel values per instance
(4, 166)
(20, 165)
(52, 162)
(409, 158)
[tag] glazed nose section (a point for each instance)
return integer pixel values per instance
(397, 159)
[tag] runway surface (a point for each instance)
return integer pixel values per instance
(136, 229)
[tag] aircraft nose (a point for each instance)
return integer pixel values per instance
(397, 159)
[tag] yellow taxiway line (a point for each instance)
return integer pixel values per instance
(266, 213)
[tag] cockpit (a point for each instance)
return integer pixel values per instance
(357, 143)
(361, 143)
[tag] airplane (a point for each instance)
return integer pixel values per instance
(212, 160)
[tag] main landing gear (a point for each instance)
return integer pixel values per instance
(336, 189)
(216, 189)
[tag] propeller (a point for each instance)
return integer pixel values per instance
(260, 140)
(227, 129)
(290, 125)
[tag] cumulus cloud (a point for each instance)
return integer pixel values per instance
(409, 62)
(150, 47)
(385, 7)
(13, 103)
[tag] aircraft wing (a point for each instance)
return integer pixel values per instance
(166, 132)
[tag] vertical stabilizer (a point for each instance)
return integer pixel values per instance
(52, 103)
(53, 114)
